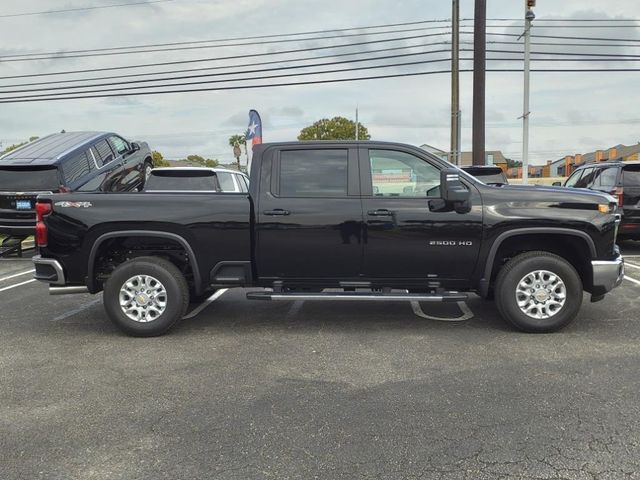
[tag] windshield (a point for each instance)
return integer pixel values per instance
(20, 179)
(181, 180)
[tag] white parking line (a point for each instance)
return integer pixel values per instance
(205, 304)
(627, 264)
(76, 310)
(24, 283)
(637, 282)
(19, 274)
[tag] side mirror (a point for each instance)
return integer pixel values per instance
(454, 192)
(135, 146)
(556, 184)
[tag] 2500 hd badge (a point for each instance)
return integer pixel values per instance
(450, 243)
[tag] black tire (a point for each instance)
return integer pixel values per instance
(515, 271)
(176, 296)
(145, 165)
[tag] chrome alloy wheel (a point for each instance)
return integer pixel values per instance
(143, 298)
(541, 294)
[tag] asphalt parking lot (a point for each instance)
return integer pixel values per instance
(251, 390)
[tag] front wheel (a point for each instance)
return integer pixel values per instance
(146, 296)
(538, 292)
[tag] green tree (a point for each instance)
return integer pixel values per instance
(336, 128)
(18, 145)
(237, 139)
(158, 160)
(203, 162)
(512, 163)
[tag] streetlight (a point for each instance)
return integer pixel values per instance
(529, 16)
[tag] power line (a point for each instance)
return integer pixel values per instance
(199, 47)
(242, 79)
(199, 60)
(46, 12)
(260, 70)
(561, 37)
(308, 82)
(617, 58)
(563, 19)
(219, 67)
(231, 39)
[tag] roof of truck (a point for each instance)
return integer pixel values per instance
(48, 150)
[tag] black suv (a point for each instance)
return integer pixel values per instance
(487, 174)
(620, 179)
(62, 163)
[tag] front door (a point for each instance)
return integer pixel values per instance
(409, 231)
(309, 214)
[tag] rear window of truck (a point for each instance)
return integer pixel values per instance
(166, 180)
(36, 179)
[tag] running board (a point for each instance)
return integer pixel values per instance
(355, 296)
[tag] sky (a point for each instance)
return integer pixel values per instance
(570, 112)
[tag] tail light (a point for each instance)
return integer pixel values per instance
(618, 192)
(63, 189)
(42, 210)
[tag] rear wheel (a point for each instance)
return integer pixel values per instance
(146, 173)
(538, 292)
(146, 296)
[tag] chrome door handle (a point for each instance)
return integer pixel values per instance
(277, 212)
(381, 212)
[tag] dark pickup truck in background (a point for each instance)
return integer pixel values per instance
(335, 221)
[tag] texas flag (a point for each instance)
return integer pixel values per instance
(253, 134)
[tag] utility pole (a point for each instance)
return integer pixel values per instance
(479, 74)
(357, 125)
(528, 19)
(455, 82)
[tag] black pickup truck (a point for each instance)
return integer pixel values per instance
(335, 221)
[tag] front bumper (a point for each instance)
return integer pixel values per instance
(607, 274)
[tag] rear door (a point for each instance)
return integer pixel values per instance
(111, 170)
(309, 215)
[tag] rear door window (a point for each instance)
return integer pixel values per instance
(631, 176)
(241, 183)
(226, 182)
(606, 179)
(104, 151)
(76, 167)
(314, 173)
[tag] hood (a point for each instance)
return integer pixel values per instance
(557, 194)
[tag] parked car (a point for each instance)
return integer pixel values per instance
(487, 174)
(196, 179)
(620, 179)
(312, 224)
(66, 162)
